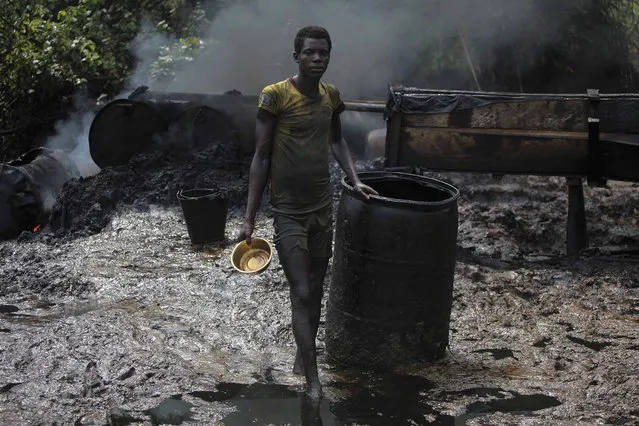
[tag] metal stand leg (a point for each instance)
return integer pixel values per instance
(576, 228)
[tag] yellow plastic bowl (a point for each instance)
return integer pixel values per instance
(252, 259)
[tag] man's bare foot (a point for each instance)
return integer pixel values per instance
(298, 367)
(310, 411)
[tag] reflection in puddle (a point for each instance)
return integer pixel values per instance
(393, 400)
(375, 401)
(266, 404)
(171, 411)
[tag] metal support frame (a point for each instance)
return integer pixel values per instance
(576, 227)
(393, 135)
(594, 153)
(594, 141)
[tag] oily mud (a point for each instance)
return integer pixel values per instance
(86, 206)
(110, 316)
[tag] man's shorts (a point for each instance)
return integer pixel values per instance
(312, 232)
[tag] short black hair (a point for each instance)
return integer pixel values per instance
(311, 32)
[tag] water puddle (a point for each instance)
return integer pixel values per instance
(9, 386)
(381, 403)
(518, 404)
(375, 401)
(569, 326)
(542, 343)
(595, 346)
(394, 400)
(171, 411)
(8, 309)
(500, 400)
(259, 403)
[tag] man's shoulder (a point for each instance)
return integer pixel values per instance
(330, 88)
(274, 97)
(280, 86)
(332, 92)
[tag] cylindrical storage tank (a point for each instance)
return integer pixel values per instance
(198, 127)
(391, 290)
(121, 129)
(240, 110)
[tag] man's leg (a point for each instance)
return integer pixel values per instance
(320, 246)
(318, 267)
(297, 268)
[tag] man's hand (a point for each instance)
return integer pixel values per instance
(365, 190)
(246, 231)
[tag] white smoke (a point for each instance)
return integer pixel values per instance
(72, 136)
(250, 45)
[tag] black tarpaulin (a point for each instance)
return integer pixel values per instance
(412, 100)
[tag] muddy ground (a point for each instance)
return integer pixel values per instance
(111, 316)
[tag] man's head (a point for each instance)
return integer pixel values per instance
(312, 51)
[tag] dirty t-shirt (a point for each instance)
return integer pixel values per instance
(300, 176)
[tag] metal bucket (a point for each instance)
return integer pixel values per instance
(205, 213)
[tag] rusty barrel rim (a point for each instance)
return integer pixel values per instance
(371, 176)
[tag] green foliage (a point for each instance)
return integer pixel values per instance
(626, 12)
(49, 45)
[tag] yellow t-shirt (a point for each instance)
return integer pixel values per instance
(299, 174)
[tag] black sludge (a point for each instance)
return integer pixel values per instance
(391, 291)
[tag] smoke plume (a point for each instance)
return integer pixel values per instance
(250, 44)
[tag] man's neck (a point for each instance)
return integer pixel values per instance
(306, 85)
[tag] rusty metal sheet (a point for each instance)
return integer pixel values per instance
(515, 152)
(470, 150)
(535, 115)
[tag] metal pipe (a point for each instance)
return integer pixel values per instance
(365, 106)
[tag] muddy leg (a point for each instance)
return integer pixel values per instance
(297, 268)
(319, 266)
(310, 411)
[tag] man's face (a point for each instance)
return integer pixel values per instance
(313, 57)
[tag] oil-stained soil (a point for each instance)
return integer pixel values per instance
(112, 316)
(86, 206)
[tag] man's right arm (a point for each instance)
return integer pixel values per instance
(260, 165)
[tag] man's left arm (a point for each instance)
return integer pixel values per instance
(342, 154)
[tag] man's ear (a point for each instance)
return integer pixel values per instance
(296, 57)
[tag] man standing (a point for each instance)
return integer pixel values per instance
(297, 121)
